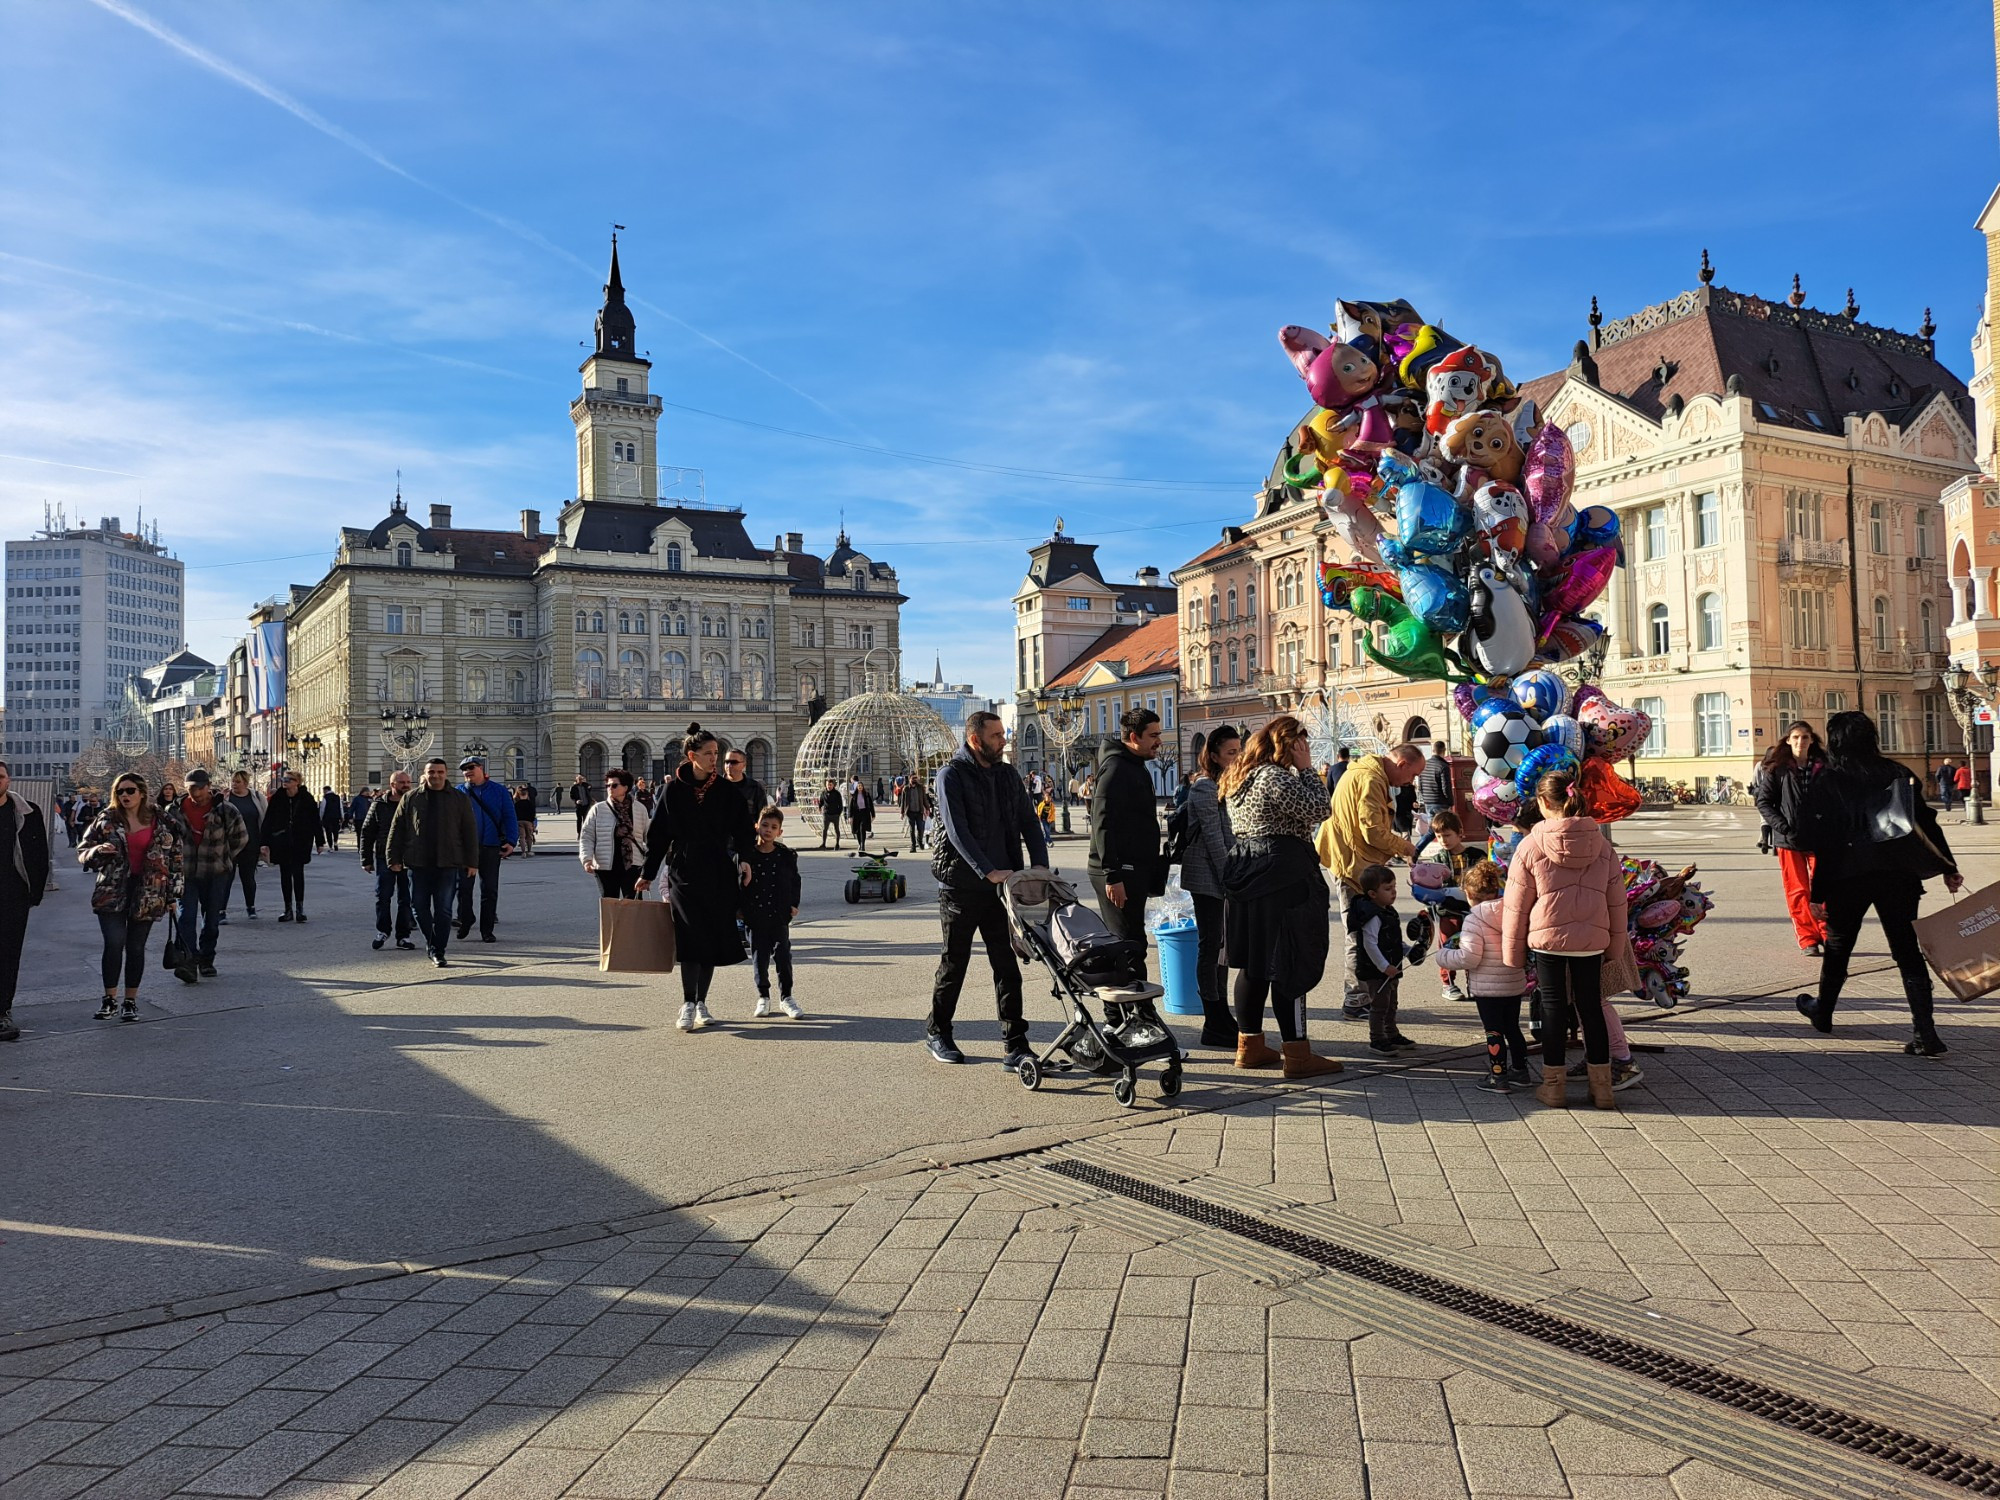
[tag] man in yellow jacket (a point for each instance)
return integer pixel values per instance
(1360, 831)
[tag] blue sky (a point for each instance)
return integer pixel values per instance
(254, 259)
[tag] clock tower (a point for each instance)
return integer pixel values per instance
(617, 422)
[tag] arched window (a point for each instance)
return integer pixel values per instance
(673, 675)
(403, 683)
(624, 622)
(597, 622)
(754, 681)
(475, 685)
(714, 675)
(1927, 624)
(673, 557)
(1215, 609)
(1232, 602)
(759, 630)
(808, 688)
(1658, 633)
(631, 674)
(515, 759)
(590, 761)
(1250, 601)
(1881, 624)
(582, 621)
(517, 686)
(1708, 611)
(590, 673)
(402, 554)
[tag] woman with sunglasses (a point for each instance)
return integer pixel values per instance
(136, 856)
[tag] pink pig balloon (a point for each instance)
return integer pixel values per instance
(1588, 573)
(1549, 472)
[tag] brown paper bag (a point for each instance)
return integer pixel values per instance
(1962, 943)
(635, 937)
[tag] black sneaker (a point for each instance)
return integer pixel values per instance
(108, 1009)
(9, 1032)
(1400, 1040)
(437, 959)
(1518, 1076)
(1496, 1083)
(1012, 1061)
(129, 1011)
(1386, 1047)
(942, 1049)
(207, 971)
(487, 937)
(286, 917)
(463, 929)
(250, 912)
(185, 972)
(380, 939)
(402, 943)
(302, 914)
(1808, 1007)
(1925, 1044)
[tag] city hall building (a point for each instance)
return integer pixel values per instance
(595, 642)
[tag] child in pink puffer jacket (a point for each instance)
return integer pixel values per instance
(1565, 907)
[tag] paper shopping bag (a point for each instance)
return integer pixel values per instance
(1962, 943)
(635, 937)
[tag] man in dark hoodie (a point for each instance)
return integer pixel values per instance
(1125, 863)
(987, 820)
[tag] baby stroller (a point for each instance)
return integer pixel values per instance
(1085, 960)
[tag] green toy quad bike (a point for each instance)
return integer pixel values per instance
(875, 879)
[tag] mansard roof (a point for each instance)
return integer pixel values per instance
(1802, 367)
(628, 526)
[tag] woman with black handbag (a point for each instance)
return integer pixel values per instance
(1874, 841)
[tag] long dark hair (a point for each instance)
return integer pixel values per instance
(1852, 743)
(1779, 759)
(1210, 755)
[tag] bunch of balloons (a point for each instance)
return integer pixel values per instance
(1660, 911)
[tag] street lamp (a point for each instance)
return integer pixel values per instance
(1963, 701)
(304, 749)
(1064, 718)
(407, 735)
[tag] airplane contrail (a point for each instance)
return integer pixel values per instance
(133, 16)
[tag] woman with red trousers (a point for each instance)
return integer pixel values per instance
(1788, 770)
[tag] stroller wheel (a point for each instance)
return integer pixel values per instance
(1030, 1073)
(1170, 1082)
(1124, 1092)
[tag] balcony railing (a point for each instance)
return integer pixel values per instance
(640, 688)
(1801, 551)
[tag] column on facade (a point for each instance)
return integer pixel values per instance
(735, 639)
(1982, 597)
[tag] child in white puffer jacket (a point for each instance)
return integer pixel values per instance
(1497, 986)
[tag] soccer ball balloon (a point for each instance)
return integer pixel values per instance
(1502, 741)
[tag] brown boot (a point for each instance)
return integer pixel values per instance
(1252, 1053)
(1301, 1062)
(1551, 1091)
(1600, 1085)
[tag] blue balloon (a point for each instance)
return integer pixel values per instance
(1595, 526)
(1429, 522)
(1538, 762)
(1561, 729)
(1491, 707)
(1436, 598)
(1540, 693)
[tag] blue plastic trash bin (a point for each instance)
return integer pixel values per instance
(1177, 956)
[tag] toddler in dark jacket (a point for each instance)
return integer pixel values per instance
(1379, 954)
(770, 901)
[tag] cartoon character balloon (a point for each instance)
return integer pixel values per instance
(1540, 693)
(1500, 637)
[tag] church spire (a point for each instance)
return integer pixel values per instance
(615, 332)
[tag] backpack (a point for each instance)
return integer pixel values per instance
(1181, 834)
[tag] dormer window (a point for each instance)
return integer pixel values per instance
(674, 562)
(402, 554)
(860, 580)
(624, 388)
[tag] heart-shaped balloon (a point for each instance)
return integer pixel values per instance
(1607, 796)
(1548, 472)
(1584, 578)
(1612, 733)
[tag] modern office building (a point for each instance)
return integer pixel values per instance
(87, 608)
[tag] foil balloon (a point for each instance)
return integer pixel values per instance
(1489, 705)
(1544, 547)
(1428, 345)
(1500, 636)
(1607, 796)
(1611, 732)
(1436, 597)
(1338, 581)
(1429, 522)
(1409, 646)
(1538, 763)
(1495, 798)
(1561, 729)
(1548, 472)
(1566, 640)
(1540, 693)
(1596, 526)
(1583, 579)
(1501, 741)
(1500, 515)
(1583, 695)
(1352, 517)
(1465, 698)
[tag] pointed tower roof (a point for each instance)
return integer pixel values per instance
(616, 335)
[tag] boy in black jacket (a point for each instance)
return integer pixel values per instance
(770, 901)
(1379, 954)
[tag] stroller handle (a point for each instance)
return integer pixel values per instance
(1037, 886)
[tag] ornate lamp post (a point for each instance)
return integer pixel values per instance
(1963, 701)
(1064, 720)
(407, 735)
(303, 750)
(474, 747)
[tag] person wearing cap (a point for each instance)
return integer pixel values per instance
(214, 835)
(499, 832)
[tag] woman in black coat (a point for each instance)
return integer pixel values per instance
(701, 830)
(1852, 873)
(1783, 778)
(291, 830)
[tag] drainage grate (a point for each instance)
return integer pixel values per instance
(1907, 1450)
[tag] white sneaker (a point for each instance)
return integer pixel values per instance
(702, 1019)
(763, 1008)
(686, 1021)
(791, 1008)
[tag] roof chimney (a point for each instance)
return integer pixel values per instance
(531, 523)
(795, 541)
(440, 518)
(778, 546)
(1149, 576)
(111, 524)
